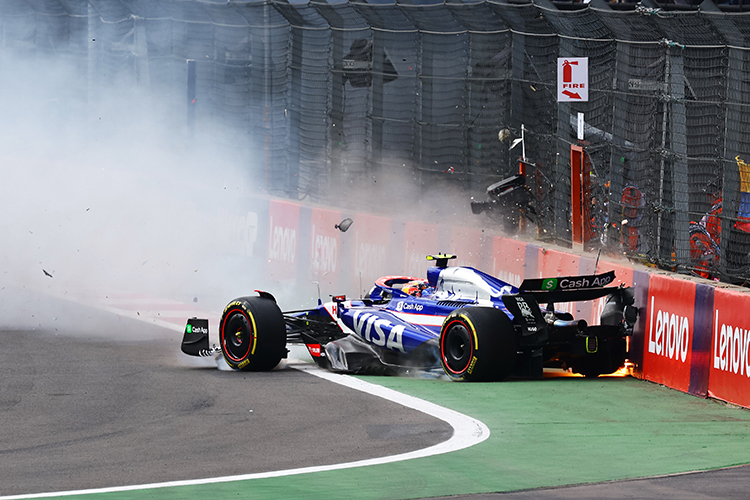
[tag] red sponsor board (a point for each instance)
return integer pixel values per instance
(508, 260)
(623, 274)
(371, 237)
(420, 240)
(667, 345)
(324, 246)
(466, 243)
(554, 263)
(729, 364)
(283, 231)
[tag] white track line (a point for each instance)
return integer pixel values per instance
(467, 431)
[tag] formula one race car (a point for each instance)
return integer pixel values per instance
(476, 327)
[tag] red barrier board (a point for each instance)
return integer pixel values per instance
(420, 240)
(729, 364)
(371, 236)
(283, 228)
(466, 243)
(508, 260)
(324, 245)
(556, 263)
(669, 331)
(623, 274)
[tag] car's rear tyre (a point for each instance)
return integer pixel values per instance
(609, 358)
(478, 344)
(612, 352)
(252, 334)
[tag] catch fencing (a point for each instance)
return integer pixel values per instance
(338, 94)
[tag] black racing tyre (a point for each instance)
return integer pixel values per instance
(609, 358)
(612, 352)
(252, 334)
(478, 344)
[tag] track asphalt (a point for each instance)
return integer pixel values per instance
(80, 412)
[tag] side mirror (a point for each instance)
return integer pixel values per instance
(344, 225)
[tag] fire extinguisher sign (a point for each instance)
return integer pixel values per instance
(572, 79)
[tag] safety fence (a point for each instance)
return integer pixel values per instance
(691, 335)
(321, 97)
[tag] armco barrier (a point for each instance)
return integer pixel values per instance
(690, 335)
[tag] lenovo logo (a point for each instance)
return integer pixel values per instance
(731, 346)
(668, 334)
(325, 253)
(283, 243)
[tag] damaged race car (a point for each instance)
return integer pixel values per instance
(473, 326)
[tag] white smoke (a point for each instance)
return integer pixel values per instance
(107, 196)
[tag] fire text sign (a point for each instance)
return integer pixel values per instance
(572, 79)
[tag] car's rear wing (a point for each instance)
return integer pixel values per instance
(569, 288)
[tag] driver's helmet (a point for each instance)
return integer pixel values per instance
(415, 287)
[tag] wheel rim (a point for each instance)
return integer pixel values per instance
(456, 347)
(237, 335)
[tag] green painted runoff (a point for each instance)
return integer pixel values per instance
(550, 432)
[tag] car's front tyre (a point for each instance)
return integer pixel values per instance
(252, 334)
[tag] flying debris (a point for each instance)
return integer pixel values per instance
(507, 201)
(344, 225)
